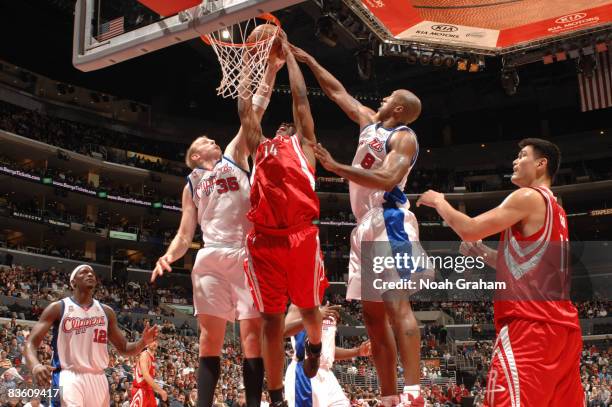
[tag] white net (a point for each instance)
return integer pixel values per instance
(243, 60)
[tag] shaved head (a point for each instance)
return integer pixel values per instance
(411, 104)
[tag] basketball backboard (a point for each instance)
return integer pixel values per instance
(107, 32)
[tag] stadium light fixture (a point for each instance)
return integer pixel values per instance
(462, 64)
(548, 59)
(561, 55)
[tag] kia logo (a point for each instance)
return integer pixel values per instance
(570, 18)
(444, 28)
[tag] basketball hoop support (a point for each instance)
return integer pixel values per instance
(88, 54)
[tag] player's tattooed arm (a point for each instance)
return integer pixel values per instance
(116, 337)
(183, 238)
(514, 209)
(334, 90)
(394, 167)
(50, 316)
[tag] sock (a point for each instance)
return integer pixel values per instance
(253, 376)
(315, 349)
(414, 390)
(208, 375)
(390, 401)
(277, 398)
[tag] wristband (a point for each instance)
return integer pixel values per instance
(261, 101)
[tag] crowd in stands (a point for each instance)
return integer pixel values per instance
(91, 140)
(31, 283)
(177, 354)
(113, 146)
(112, 186)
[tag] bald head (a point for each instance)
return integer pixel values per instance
(411, 105)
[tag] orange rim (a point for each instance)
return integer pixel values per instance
(265, 16)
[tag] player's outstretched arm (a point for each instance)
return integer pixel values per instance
(334, 90)
(183, 238)
(116, 337)
(250, 125)
(145, 364)
(50, 315)
(516, 207)
(363, 350)
(394, 168)
(239, 147)
(299, 94)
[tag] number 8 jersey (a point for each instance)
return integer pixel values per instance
(371, 152)
(221, 196)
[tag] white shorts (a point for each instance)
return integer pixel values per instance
(324, 391)
(220, 286)
(80, 389)
(381, 225)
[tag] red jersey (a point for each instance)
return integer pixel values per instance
(282, 185)
(139, 381)
(535, 270)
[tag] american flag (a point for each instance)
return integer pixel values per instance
(110, 29)
(596, 90)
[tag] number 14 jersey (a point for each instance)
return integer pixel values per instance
(221, 196)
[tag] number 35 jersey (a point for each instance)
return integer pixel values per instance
(80, 338)
(221, 196)
(371, 152)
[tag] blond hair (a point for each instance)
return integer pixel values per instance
(193, 149)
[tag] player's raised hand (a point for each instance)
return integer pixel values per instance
(470, 248)
(149, 334)
(299, 54)
(330, 311)
(365, 348)
(42, 374)
(163, 264)
(324, 157)
(430, 198)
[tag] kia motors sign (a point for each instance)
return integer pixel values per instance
(491, 26)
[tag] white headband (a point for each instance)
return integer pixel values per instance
(76, 270)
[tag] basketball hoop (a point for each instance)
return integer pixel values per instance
(243, 62)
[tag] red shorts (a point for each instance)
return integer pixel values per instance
(143, 398)
(285, 266)
(535, 364)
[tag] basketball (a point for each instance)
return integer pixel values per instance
(263, 32)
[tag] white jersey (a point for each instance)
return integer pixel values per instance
(80, 338)
(222, 198)
(328, 343)
(370, 154)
